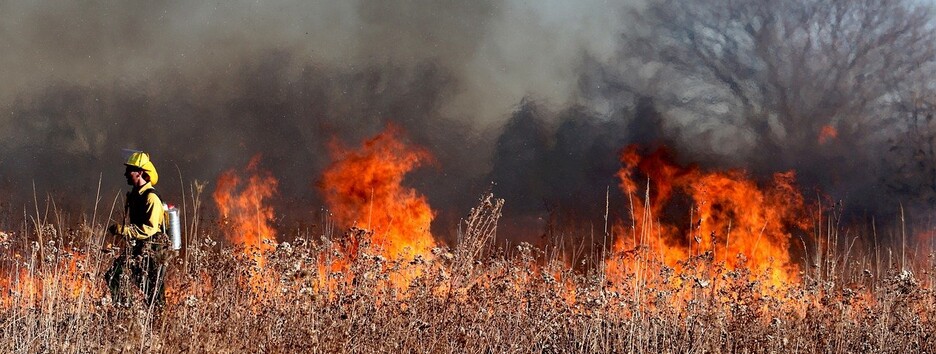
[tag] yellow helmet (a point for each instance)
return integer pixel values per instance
(142, 161)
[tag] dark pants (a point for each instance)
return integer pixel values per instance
(143, 269)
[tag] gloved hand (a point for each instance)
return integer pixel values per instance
(115, 229)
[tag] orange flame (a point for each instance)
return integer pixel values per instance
(828, 133)
(62, 279)
(365, 187)
(244, 209)
(740, 224)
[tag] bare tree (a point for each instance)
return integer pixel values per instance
(780, 72)
(912, 152)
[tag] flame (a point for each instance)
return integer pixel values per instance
(365, 187)
(246, 214)
(64, 278)
(739, 223)
(922, 242)
(827, 134)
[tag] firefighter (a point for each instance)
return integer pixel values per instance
(141, 263)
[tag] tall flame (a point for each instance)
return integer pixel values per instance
(365, 187)
(739, 223)
(246, 213)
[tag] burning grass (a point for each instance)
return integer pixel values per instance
(727, 282)
(470, 298)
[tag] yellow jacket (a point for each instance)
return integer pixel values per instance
(145, 211)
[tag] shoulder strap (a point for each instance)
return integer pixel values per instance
(146, 193)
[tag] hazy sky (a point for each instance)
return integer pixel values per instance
(499, 50)
(205, 86)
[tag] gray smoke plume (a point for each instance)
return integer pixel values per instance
(530, 100)
(204, 87)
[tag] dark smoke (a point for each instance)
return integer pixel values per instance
(530, 101)
(206, 87)
(558, 169)
(65, 130)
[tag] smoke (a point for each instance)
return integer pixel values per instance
(530, 100)
(497, 52)
(204, 87)
(558, 169)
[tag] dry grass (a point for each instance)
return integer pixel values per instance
(469, 299)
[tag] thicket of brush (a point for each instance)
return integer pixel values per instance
(325, 293)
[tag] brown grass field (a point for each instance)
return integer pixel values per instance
(330, 292)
